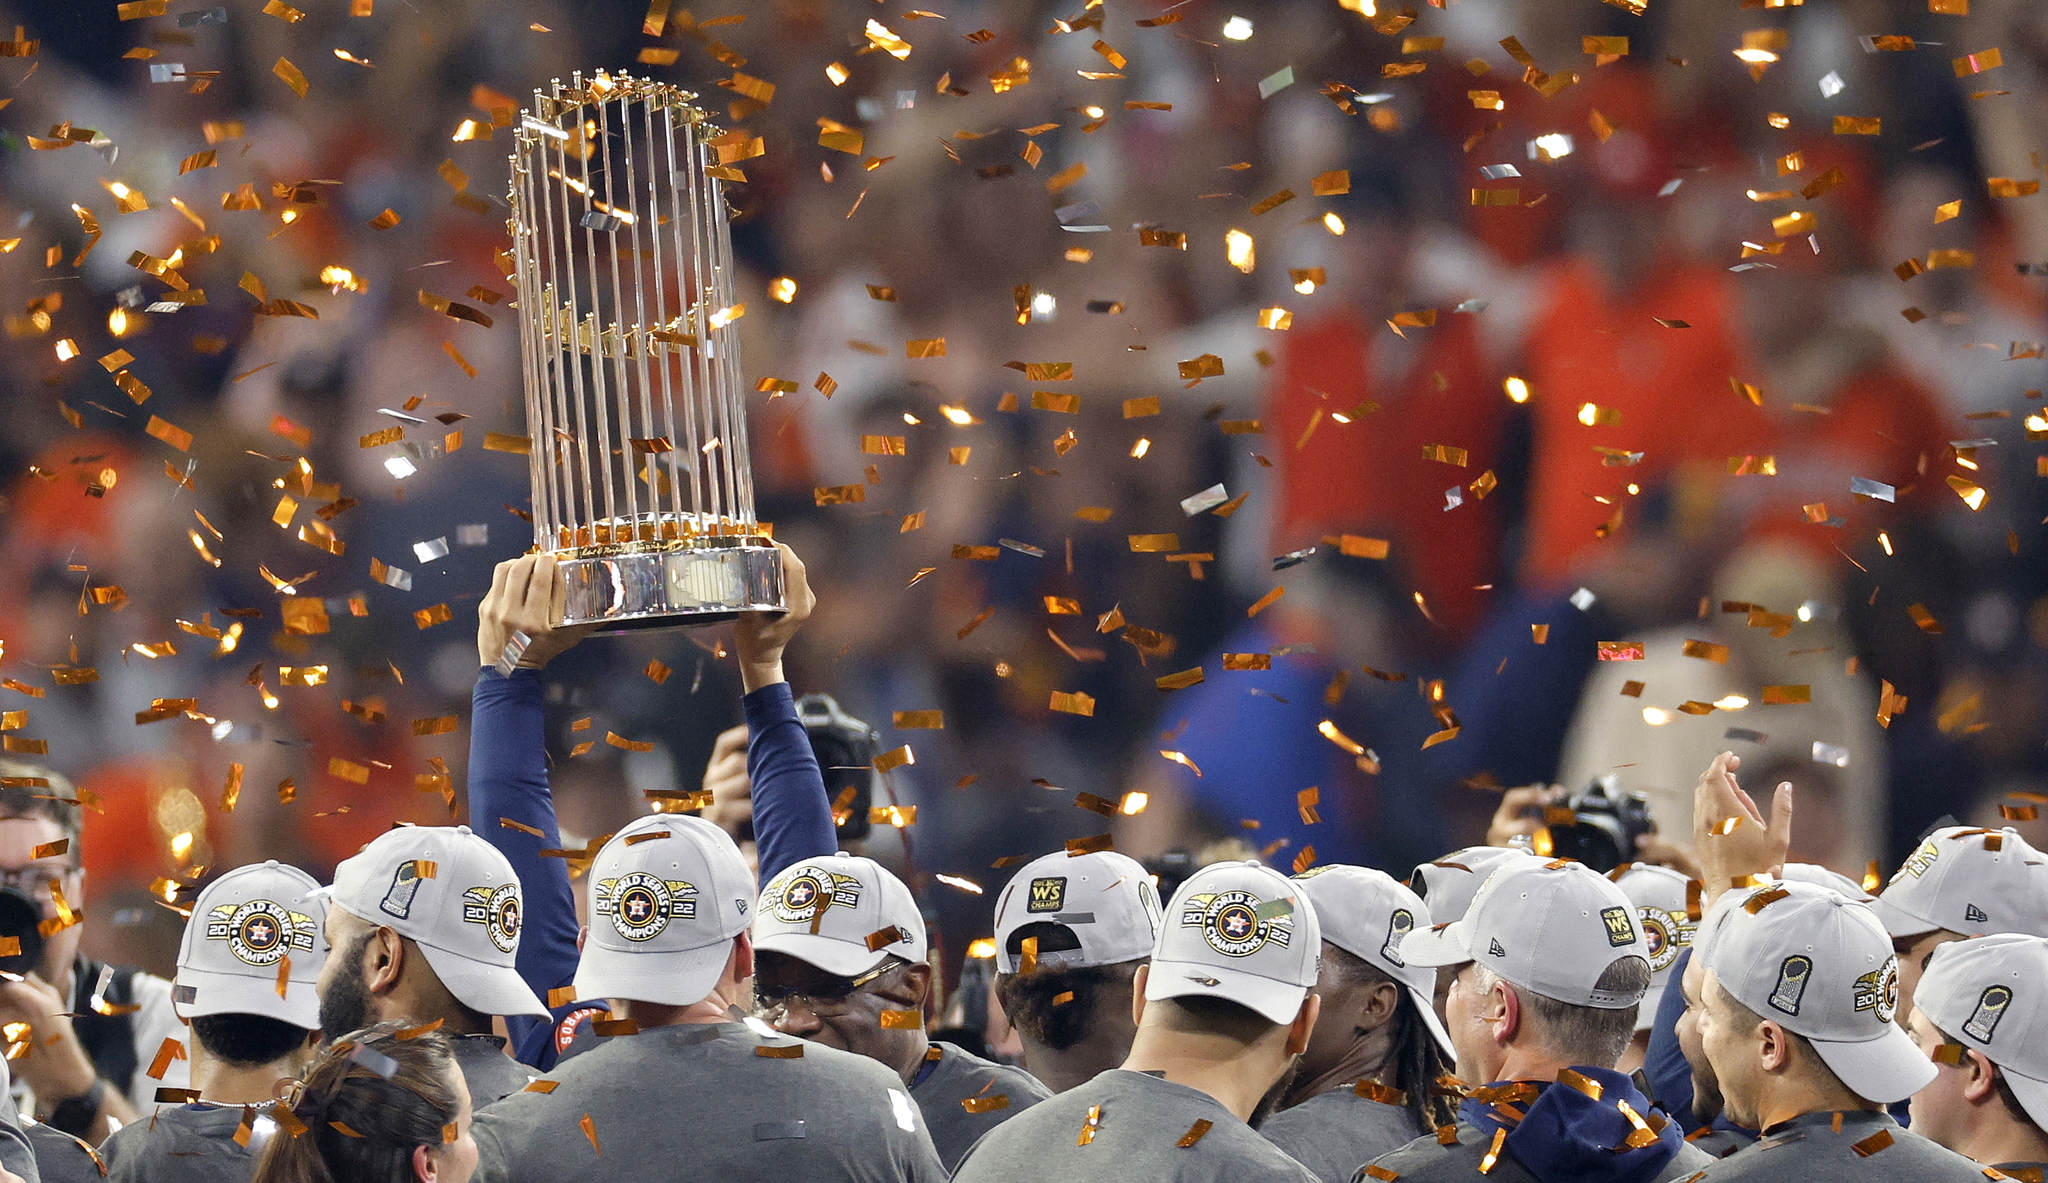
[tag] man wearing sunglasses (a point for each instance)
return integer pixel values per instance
(96, 1027)
(841, 961)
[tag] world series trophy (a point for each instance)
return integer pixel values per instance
(643, 488)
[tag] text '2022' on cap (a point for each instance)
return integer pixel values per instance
(1553, 927)
(1971, 881)
(668, 894)
(1241, 932)
(1104, 901)
(456, 897)
(1991, 993)
(842, 913)
(254, 946)
(1821, 966)
(1370, 915)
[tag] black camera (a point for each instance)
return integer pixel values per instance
(846, 750)
(21, 919)
(1604, 828)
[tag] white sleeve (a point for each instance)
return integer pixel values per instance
(154, 1023)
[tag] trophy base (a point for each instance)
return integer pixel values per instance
(685, 587)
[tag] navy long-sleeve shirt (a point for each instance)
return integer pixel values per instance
(508, 781)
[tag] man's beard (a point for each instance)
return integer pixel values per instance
(1271, 1101)
(1707, 1102)
(346, 1007)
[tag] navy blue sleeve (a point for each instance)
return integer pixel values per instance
(508, 779)
(1664, 1063)
(792, 815)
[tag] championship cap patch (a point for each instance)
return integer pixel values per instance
(497, 909)
(261, 932)
(641, 905)
(1990, 1008)
(1878, 990)
(1620, 929)
(1237, 923)
(1399, 925)
(809, 891)
(1793, 974)
(1048, 895)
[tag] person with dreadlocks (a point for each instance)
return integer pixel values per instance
(1367, 1083)
(386, 1104)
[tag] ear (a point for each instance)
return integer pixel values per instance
(1380, 1005)
(1138, 981)
(1980, 1078)
(1304, 1023)
(383, 961)
(1775, 1052)
(424, 1167)
(1506, 1020)
(582, 938)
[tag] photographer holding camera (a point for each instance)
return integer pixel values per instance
(96, 1027)
(1599, 825)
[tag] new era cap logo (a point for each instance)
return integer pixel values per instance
(1974, 914)
(1493, 948)
(1047, 895)
(1990, 1008)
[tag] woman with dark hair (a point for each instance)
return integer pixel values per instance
(386, 1104)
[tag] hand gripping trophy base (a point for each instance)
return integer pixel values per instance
(683, 587)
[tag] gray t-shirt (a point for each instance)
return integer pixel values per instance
(186, 1144)
(1142, 1120)
(1336, 1132)
(1426, 1160)
(490, 1074)
(60, 1158)
(959, 1078)
(708, 1101)
(1809, 1149)
(1720, 1141)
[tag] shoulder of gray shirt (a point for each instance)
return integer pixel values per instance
(175, 1144)
(1333, 1133)
(1820, 1154)
(827, 1081)
(1029, 1146)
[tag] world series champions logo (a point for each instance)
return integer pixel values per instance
(809, 890)
(1230, 922)
(260, 932)
(641, 905)
(497, 909)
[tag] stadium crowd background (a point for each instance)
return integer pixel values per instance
(1367, 417)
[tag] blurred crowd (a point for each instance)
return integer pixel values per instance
(1584, 427)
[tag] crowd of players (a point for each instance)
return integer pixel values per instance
(1503, 1013)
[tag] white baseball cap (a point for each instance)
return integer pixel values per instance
(1991, 993)
(456, 897)
(841, 913)
(1549, 926)
(1660, 897)
(1241, 932)
(1368, 914)
(1105, 899)
(1826, 877)
(1822, 966)
(252, 930)
(1448, 884)
(1968, 880)
(668, 894)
